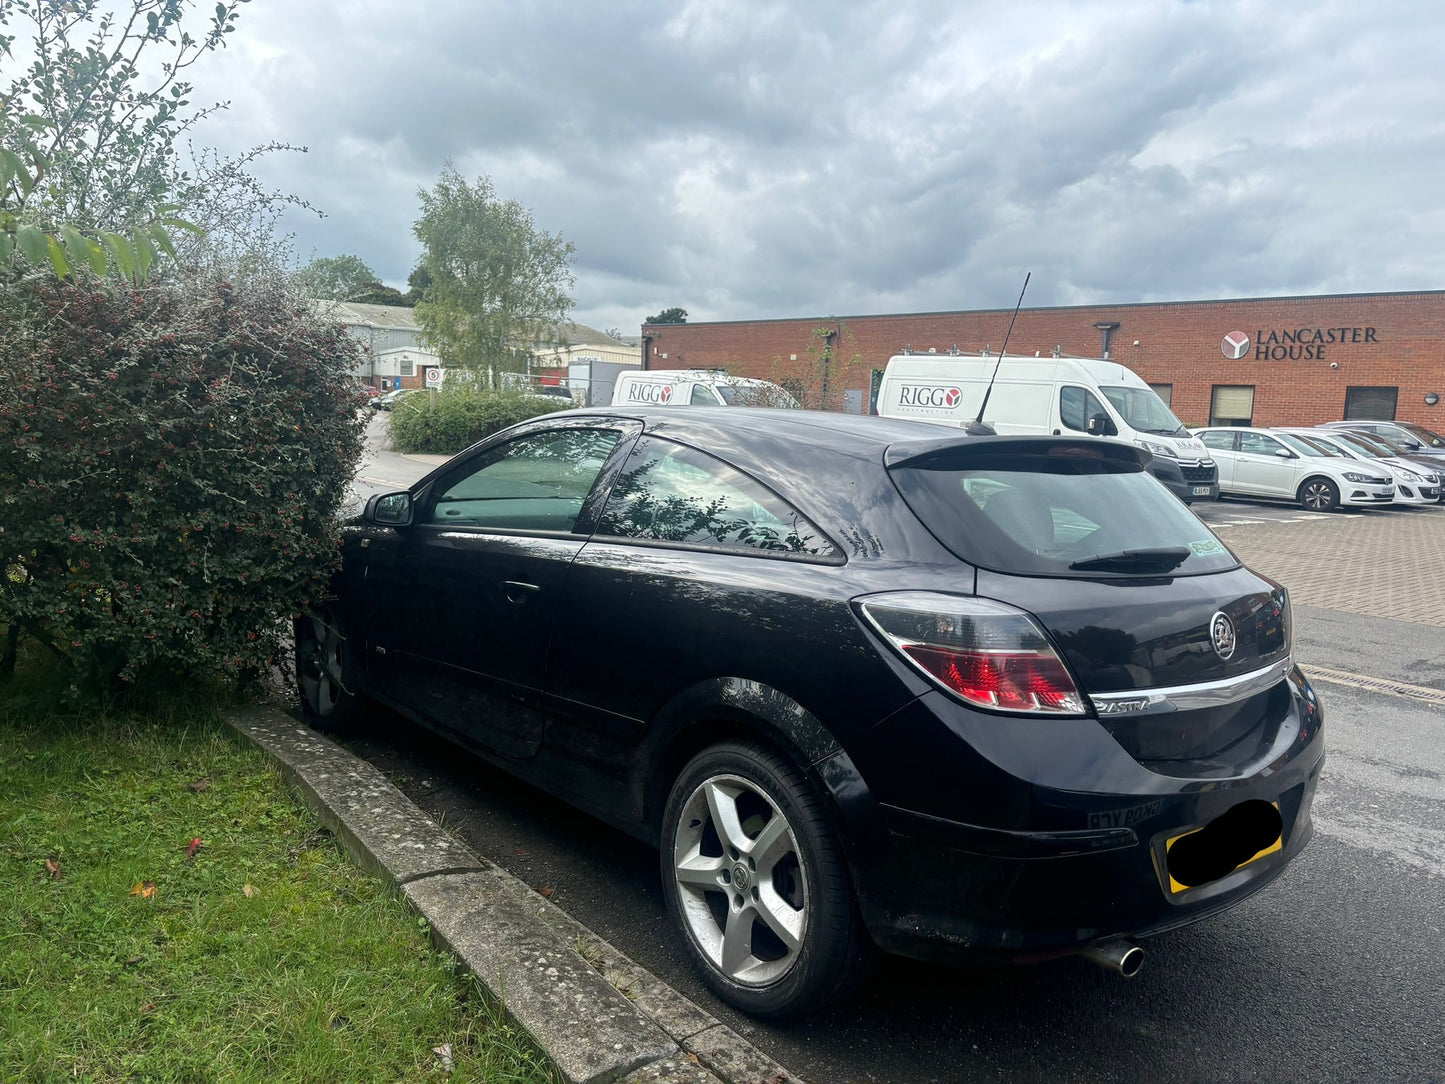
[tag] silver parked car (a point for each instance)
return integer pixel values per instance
(1415, 483)
(1414, 439)
(1259, 463)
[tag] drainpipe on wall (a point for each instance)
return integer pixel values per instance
(1106, 328)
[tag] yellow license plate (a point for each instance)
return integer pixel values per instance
(1175, 887)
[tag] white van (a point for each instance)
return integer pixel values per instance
(1051, 396)
(696, 387)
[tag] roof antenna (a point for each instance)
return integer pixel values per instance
(978, 427)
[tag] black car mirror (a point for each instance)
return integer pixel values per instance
(389, 509)
(1101, 426)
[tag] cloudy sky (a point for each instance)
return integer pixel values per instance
(743, 159)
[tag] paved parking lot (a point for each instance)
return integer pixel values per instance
(1381, 562)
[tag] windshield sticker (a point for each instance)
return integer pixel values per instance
(1207, 547)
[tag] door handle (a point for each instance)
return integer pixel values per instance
(519, 592)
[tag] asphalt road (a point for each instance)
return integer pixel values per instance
(1335, 972)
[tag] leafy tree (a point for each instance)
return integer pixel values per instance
(379, 293)
(668, 316)
(418, 280)
(337, 278)
(90, 127)
(499, 284)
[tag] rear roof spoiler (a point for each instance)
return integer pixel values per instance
(962, 450)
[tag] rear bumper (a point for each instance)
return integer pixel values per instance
(1083, 863)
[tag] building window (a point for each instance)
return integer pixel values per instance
(1165, 392)
(1371, 404)
(408, 367)
(1231, 404)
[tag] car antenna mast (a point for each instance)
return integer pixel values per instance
(978, 427)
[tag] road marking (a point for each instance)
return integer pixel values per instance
(1376, 685)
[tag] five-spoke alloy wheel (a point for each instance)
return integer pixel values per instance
(756, 880)
(323, 672)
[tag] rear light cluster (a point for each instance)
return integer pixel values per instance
(987, 654)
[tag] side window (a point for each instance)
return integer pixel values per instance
(1258, 444)
(1071, 408)
(672, 493)
(1222, 441)
(702, 395)
(534, 483)
(1077, 406)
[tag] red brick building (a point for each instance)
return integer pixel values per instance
(1270, 361)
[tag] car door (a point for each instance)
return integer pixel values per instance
(689, 544)
(462, 600)
(1265, 467)
(1221, 444)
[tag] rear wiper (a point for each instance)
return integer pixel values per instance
(1153, 560)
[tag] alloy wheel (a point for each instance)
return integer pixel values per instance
(743, 893)
(1318, 496)
(319, 668)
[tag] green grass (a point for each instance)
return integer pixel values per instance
(318, 974)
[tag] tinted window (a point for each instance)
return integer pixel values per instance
(1258, 444)
(1223, 441)
(672, 493)
(702, 395)
(1308, 447)
(534, 483)
(1425, 436)
(1076, 407)
(1040, 513)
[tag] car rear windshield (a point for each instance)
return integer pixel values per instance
(1062, 516)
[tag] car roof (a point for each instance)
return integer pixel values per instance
(845, 431)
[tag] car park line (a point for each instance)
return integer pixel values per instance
(1375, 685)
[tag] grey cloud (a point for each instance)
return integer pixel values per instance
(760, 159)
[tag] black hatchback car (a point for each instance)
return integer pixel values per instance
(863, 681)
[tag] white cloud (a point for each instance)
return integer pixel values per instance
(755, 159)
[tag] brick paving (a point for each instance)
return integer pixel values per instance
(1384, 564)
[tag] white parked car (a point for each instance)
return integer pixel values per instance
(1414, 483)
(1261, 463)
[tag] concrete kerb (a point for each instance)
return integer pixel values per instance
(595, 1013)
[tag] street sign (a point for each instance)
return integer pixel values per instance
(434, 377)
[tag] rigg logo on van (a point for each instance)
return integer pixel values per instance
(937, 396)
(1235, 345)
(649, 393)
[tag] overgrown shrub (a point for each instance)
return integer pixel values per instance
(456, 416)
(170, 463)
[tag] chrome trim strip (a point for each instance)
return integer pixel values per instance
(1207, 694)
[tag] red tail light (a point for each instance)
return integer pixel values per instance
(986, 653)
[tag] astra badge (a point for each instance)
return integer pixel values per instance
(1235, 344)
(1221, 631)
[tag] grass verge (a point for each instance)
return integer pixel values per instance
(130, 951)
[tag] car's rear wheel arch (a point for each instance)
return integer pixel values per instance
(726, 709)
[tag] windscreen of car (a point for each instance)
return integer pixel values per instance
(756, 395)
(1305, 446)
(1045, 513)
(1427, 437)
(1365, 444)
(1143, 410)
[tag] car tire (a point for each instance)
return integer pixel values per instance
(326, 674)
(1319, 495)
(755, 879)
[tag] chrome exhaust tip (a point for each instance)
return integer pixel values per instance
(1120, 956)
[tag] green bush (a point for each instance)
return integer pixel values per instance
(171, 460)
(457, 416)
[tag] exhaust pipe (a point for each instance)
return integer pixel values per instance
(1118, 955)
